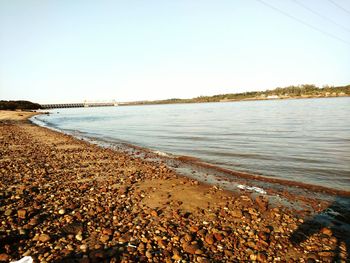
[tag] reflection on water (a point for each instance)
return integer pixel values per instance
(306, 140)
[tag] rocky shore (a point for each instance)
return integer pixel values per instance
(66, 200)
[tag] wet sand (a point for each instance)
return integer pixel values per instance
(67, 200)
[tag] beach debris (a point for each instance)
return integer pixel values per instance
(26, 259)
(162, 153)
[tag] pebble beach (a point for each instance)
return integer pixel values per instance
(66, 200)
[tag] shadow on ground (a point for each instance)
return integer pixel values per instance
(333, 221)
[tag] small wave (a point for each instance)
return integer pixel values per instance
(252, 188)
(44, 123)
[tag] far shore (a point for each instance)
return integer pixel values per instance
(65, 199)
(186, 101)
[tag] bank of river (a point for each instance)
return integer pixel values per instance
(305, 141)
(67, 199)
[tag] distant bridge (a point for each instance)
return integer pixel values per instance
(85, 104)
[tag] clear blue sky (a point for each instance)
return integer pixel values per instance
(69, 51)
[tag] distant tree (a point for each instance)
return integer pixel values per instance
(18, 105)
(290, 91)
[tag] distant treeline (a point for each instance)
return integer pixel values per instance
(18, 105)
(300, 91)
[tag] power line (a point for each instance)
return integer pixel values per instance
(339, 6)
(303, 22)
(320, 15)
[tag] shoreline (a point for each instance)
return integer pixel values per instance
(116, 206)
(193, 161)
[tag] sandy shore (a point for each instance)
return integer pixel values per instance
(66, 200)
(15, 115)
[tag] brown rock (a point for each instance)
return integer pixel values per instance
(154, 213)
(203, 260)
(148, 254)
(20, 189)
(325, 254)
(192, 248)
(177, 257)
(262, 203)
(96, 255)
(84, 260)
(310, 260)
(33, 222)
(73, 228)
(326, 231)
(261, 257)
(22, 213)
(176, 251)
(78, 215)
(108, 231)
(218, 236)
(209, 239)
(237, 213)
(123, 190)
(162, 243)
(251, 244)
(228, 253)
(253, 257)
(125, 238)
(91, 212)
(99, 209)
(8, 212)
(199, 252)
(188, 237)
(44, 238)
(263, 235)
(194, 229)
(104, 238)
(4, 257)
(141, 247)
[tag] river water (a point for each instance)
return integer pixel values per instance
(304, 140)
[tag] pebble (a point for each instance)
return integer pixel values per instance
(237, 213)
(261, 257)
(79, 237)
(218, 236)
(4, 257)
(22, 213)
(262, 203)
(44, 238)
(61, 211)
(104, 238)
(129, 209)
(192, 248)
(177, 257)
(209, 239)
(83, 247)
(154, 213)
(326, 231)
(8, 212)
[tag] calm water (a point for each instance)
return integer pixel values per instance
(300, 140)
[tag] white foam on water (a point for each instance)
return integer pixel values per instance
(251, 188)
